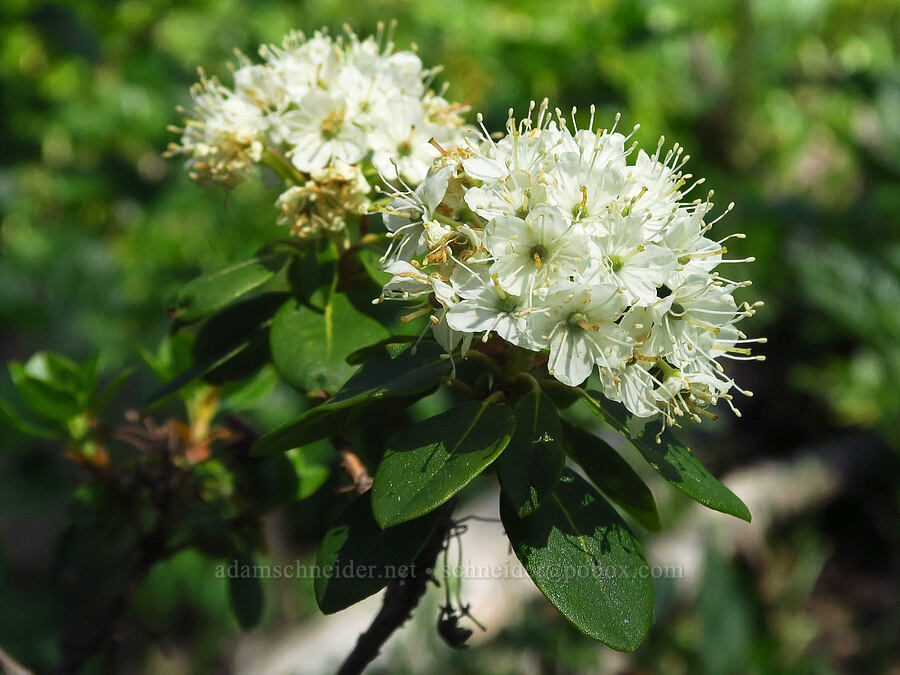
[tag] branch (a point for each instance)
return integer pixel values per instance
(352, 464)
(401, 598)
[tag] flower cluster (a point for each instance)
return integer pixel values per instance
(554, 240)
(327, 115)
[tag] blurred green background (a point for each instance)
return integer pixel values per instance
(790, 108)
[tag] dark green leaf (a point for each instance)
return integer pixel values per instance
(363, 287)
(210, 293)
(613, 475)
(530, 467)
(102, 398)
(268, 482)
(357, 558)
(241, 323)
(382, 387)
(585, 560)
(196, 371)
(309, 347)
(674, 461)
(246, 595)
(428, 463)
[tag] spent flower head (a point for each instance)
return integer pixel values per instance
(571, 241)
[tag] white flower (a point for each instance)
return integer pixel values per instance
(224, 139)
(589, 175)
(408, 281)
(315, 104)
(401, 141)
(552, 241)
(516, 152)
(652, 190)
(448, 338)
(578, 324)
(531, 254)
(638, 266)
(485, 308)
(406, 217)
(320, 132)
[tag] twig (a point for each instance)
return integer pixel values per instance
(401, 598)
(354, 467)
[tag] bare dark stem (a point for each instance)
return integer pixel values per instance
(401, 598)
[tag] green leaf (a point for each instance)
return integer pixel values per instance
(62, 373)
(309, 347)
(312, 275)
(172, 356)
(268, 482)
(393, 345)
(53, 385)
(44, 399)
(210, 293)
(199, 370)
(584, 559)
(11, 417)
(357, 558)
(102, 398)
(244, 394)
(246, 595)
(530, 467)
(312, 465)
(244, 322)
(563, 396)
(428, 463)
(231, 345)
(370, 257)
(382, 387)
(613, 475)
(674, 461)
(362, 269)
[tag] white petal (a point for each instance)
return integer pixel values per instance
(568, 359)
